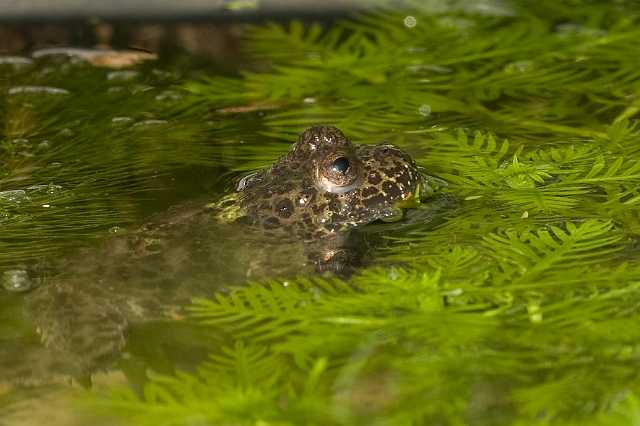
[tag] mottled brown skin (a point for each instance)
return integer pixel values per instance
(325, 185)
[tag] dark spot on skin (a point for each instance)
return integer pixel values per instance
(309, 194)
(318, 208)
(393, 171)
(405, 179)
(381, 154)
(374, 178)
(335, 205)
(284, 208)
(369, 191)
(391, 189)
(374, 201)
(271, 223)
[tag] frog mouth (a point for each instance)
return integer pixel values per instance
(396, 212)
(426, 188)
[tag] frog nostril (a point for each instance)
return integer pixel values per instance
(340, 165)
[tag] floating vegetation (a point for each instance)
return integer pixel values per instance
(518, 306)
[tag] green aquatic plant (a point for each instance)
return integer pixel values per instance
(518, 307)
(519, 325)
(523, 76)
(98, 156)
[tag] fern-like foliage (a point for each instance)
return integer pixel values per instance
(514, 73)
(510, 297)
(408, 344)
(518, 306)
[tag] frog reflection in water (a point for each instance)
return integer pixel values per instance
(297, 213)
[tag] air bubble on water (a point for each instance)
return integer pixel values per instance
(20, 141)
(47, 90)
(66, 132)
(169, 95)
(44, 144)
(125, 75)
(16, 61)
(140, 88)
(50, 188)
(491, 8)
(121, 120)
(410, 21)
(114, 229)
(150, 122)
(16, 280)
(309, 100)
(13, 196)
(425, 110)
(60, 51)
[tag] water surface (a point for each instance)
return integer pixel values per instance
(515, 304)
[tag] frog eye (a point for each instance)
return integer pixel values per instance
(340, 165)
(338, 173)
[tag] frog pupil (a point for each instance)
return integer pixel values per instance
(340, 164)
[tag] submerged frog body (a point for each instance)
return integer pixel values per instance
(293, 217)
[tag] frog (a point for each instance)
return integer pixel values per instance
(297, 216)
(326, 185)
